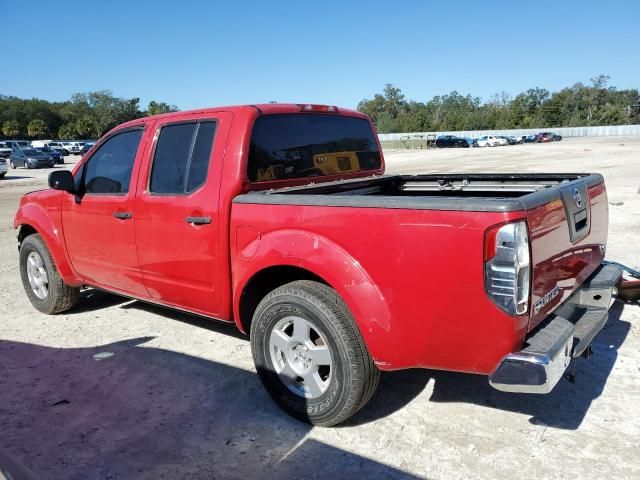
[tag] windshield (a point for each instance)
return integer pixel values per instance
(301, 145)
(30, 151)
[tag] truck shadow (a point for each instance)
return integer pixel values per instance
(129, 410)
(565, 407)
(15, 177)
(93, 299)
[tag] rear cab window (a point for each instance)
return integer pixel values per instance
(301, 145)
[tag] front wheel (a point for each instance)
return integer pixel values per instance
(310, 355)
(12, 165)
(41, 280)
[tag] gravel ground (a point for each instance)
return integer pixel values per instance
(118, 389)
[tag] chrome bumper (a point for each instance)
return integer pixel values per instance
(565, 335)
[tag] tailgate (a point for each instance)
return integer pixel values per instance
(568, 235)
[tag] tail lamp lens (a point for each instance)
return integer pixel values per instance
(507, 270)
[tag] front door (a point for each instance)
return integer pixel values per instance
(99, 224)
(177, 218)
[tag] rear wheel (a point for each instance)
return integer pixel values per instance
(41, 280)
(11, 164)
(310, 355)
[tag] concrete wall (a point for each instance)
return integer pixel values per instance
(616, 130)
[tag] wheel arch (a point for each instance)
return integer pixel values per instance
(32, 219)
(285, 256)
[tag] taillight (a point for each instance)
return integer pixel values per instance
(317, 108)
(507, 269)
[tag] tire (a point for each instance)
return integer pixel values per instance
(58, 296)
(351, 378)
(12, 165)
(2, 175)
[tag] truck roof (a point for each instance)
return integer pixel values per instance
(263, 108)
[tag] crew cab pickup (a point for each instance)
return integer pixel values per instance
(280, 218)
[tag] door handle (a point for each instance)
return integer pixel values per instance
(122, 215)
(198, 220)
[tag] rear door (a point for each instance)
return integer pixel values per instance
(99, 225)
(177, 215)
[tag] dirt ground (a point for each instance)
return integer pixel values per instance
(118, 389)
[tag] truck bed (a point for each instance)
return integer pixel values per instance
(469, 192)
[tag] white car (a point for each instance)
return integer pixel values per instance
(491, 141)
(5, 150)
(76, 147)
(4, 168)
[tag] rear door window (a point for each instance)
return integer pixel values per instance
(181, 158)
(304, 145)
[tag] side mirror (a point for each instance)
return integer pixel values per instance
(62, 180)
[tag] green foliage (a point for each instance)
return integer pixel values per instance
(86, 115)
(37, 128)
(578, 105)
(11, 128)
(156, 108)
(67, 132)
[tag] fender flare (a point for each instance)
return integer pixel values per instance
(326, 260)
(35, 216)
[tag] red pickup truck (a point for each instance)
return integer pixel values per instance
(279, 218)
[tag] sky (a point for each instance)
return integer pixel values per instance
(211, 53)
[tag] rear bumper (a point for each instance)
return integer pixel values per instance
(565, 335)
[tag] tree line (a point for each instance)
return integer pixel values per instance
(578, 105)
(86, 115)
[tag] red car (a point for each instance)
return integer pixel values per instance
(279, 218)
(546, 137)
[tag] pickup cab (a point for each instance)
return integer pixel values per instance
(279, 218)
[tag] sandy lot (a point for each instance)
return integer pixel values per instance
(118, 389)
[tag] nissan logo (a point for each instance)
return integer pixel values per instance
(577, 198)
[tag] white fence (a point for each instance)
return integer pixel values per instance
(613, 130)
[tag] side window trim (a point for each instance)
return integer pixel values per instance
(187, 168)
(82, 170)
(154, 147)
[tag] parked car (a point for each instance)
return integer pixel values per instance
(451, 141)
(511, 140)
(75, 147)
(545, 137)
(60, 146)
(491, 141)
(30, 158)
(242, 214)
(86, 147)
(530, 138)
(5, 150)
(17, 144)
(55, 154)
(3, 167)
(40, 143)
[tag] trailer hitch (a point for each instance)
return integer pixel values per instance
(627, 290)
